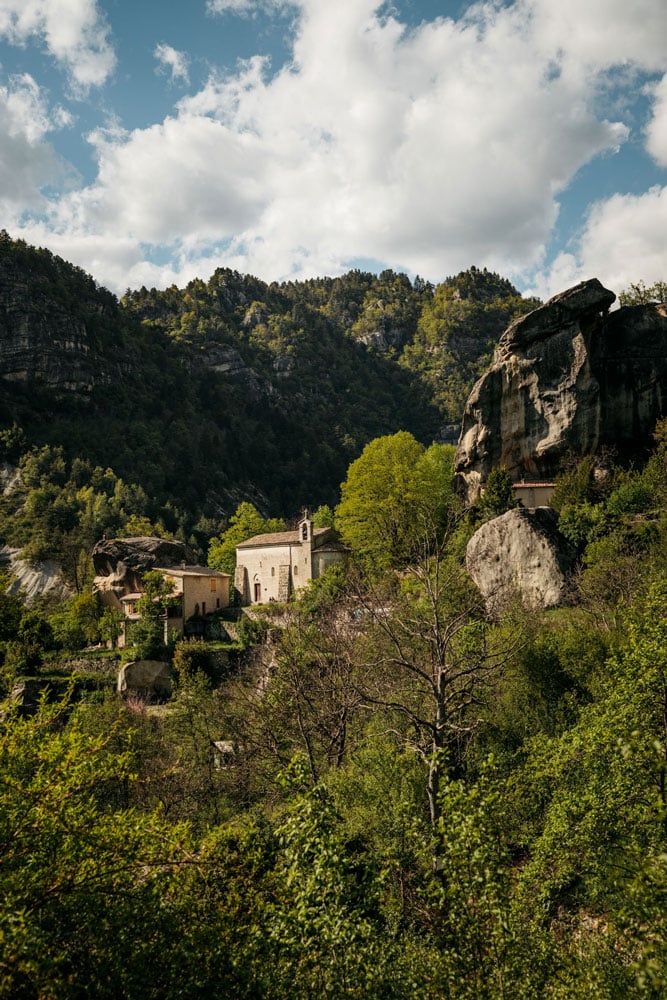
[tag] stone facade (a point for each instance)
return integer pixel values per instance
(121, 563)
(533, 494)
(271, 567)
(202, 590)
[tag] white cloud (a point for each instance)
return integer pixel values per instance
(27, 161)
(623, 242)
(656, 139)
(429, 150)
(244, 7)
(598, 34)
(74, 32)
(230, 6)
(174, 61)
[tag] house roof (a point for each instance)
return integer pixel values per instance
(131, 597)
(192, 571)
(283, 538)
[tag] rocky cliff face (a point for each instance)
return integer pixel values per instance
(569, 377)
(34, 580)
(44, 340)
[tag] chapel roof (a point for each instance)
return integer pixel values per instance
(283, 538)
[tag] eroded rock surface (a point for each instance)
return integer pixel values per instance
(149, 679)
(42, 340)
(569, 377)
(520, 554)
(120, 563)
(33, 580)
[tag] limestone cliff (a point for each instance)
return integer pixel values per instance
(569, 377)
(45, 338)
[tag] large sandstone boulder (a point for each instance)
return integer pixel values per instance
(120, 563)
(568, 378)
(520, 554)
(149, 679)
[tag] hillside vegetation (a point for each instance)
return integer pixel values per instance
(233, 389)
(414, 800)
(378, 789)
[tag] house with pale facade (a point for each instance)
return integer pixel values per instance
(197, 591)
(270, 567)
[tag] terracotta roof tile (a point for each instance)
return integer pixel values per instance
(281, 538)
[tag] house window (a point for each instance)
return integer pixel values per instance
(217, 602)
(214, 585)
(296, 570)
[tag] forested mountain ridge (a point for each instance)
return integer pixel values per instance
(232, 388)
(379, 789)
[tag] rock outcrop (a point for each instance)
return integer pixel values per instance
(33, 580)
(227, 361)
(520, 554)
(569, 377)
(148, 679)
(43, 340)
(120, 563)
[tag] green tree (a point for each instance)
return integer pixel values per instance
(498, 496)
(595, 798)
(111, 625)
(11, 609)
(392, 490)
(325, 941)
(148, 633)
(323, 517)
(75, 873)
(243, 524)
(486, 950)
(77, 622)
(191, 657)
(639, 294)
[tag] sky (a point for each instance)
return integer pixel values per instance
(152, 142)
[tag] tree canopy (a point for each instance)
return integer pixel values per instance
(394, 488)
(244, 523)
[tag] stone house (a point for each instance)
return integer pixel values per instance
(201, 590)
(270, 567)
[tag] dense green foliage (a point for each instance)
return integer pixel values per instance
(243, 524)
(389, 794)
(457, 331)
(414, 801)
(393, 489)
(224, 392)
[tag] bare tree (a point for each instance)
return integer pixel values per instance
(431, 656)
(303, 698)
